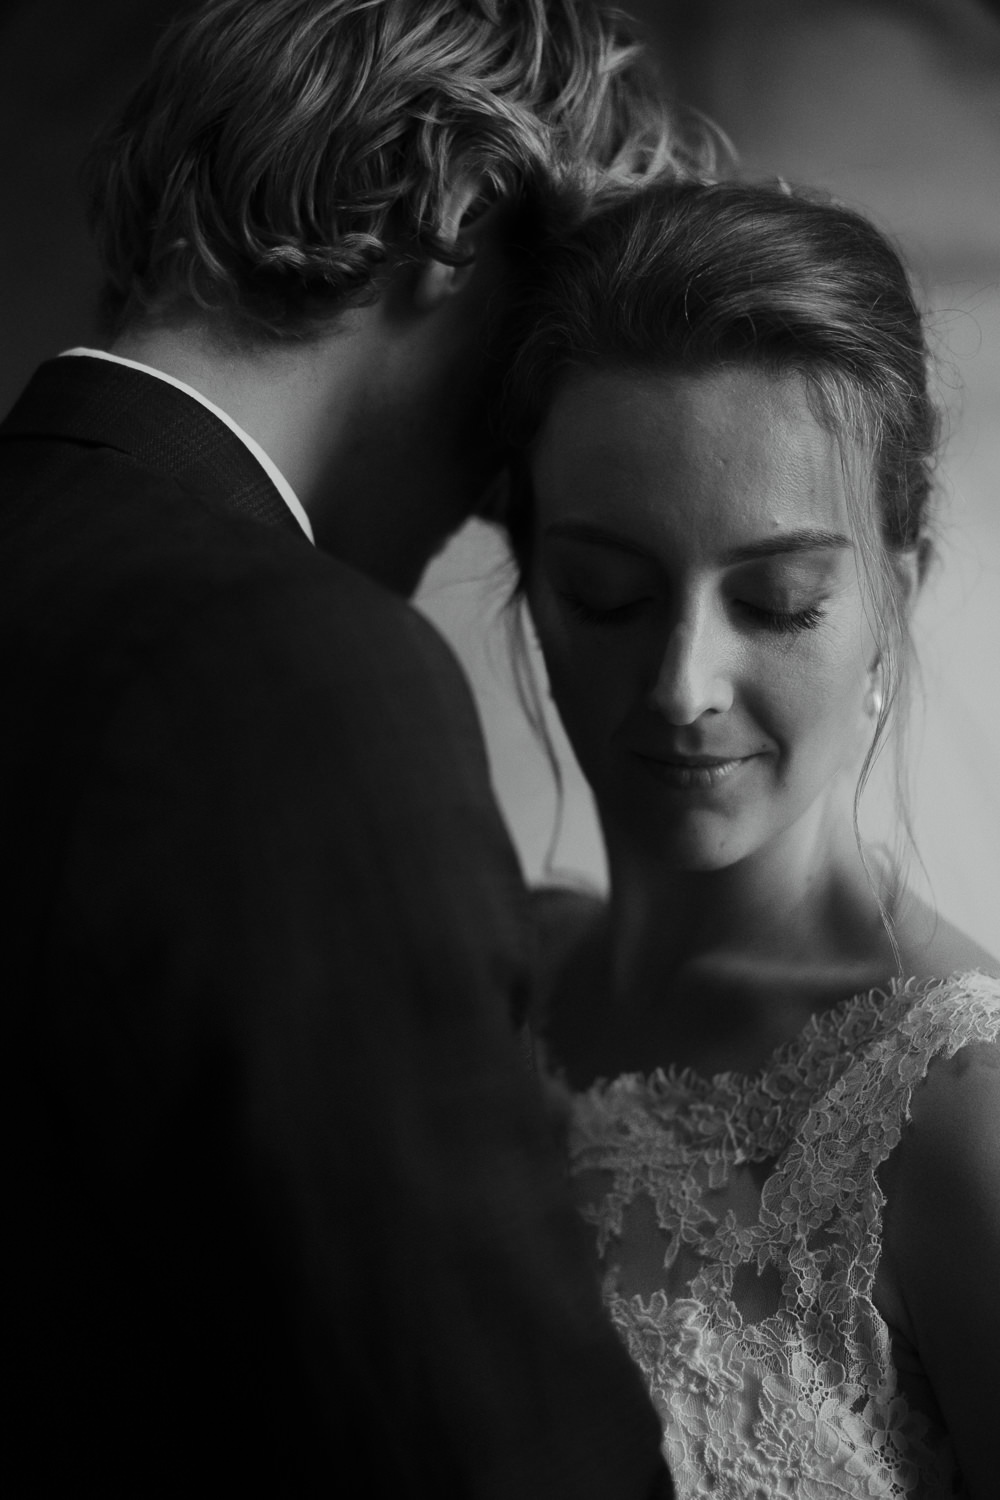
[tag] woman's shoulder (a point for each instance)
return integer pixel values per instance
(941, 1239)
(911, 1043)
(946, 1024)
(951, 995)
(939, 1055)
(932, 948)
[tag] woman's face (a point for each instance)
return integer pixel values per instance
(697, 600)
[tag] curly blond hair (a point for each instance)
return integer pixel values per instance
(278, 153)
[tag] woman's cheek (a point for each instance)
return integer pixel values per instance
(817, 700)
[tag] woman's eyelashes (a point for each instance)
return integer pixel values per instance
(786, 621)
(602, 614)
(767, 617)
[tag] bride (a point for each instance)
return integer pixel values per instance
(782, 1071)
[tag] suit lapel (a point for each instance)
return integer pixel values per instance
(99, 402)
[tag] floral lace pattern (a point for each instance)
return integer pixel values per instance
(738, 1221)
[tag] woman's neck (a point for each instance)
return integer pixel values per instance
(805, 896)
(715, 968)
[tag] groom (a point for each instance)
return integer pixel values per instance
(285, 1215)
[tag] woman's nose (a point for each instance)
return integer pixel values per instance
(692, 676)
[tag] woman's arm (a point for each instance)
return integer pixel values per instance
(943, 1237)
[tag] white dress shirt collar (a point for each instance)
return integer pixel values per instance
(267, 464)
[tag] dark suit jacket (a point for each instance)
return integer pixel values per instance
(285, 1215)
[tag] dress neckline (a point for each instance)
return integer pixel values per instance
(732, 1116)
(851, 1020)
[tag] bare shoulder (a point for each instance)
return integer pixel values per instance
(931, 947)
(949, 1154)
(942, 1225)
(950, 1151)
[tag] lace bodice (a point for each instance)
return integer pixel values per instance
(738, 1223)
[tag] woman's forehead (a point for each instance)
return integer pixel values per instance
(737, 454)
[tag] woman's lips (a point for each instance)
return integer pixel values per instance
(693, 772)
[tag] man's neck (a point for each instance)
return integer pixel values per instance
(321, 411)
(276, 394)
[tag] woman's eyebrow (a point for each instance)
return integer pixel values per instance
(808, 540)
(599, 536)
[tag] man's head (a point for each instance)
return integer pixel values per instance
(282, 157)
(308, 211)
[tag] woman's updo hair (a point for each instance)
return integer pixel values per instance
(694, 277)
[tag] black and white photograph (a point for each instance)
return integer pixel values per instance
(500, 681)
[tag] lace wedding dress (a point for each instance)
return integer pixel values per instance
(738, 1224)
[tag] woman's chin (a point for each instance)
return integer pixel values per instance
(700, 843)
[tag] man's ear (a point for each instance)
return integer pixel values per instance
(436, 280)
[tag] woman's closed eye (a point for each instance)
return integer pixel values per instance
(786, 595)
(768, 617)
(592, 612)
(784, 621)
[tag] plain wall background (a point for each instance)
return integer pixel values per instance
(893, 105)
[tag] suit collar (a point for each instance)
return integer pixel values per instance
(110, 405)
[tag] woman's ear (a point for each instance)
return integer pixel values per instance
(437, 280)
